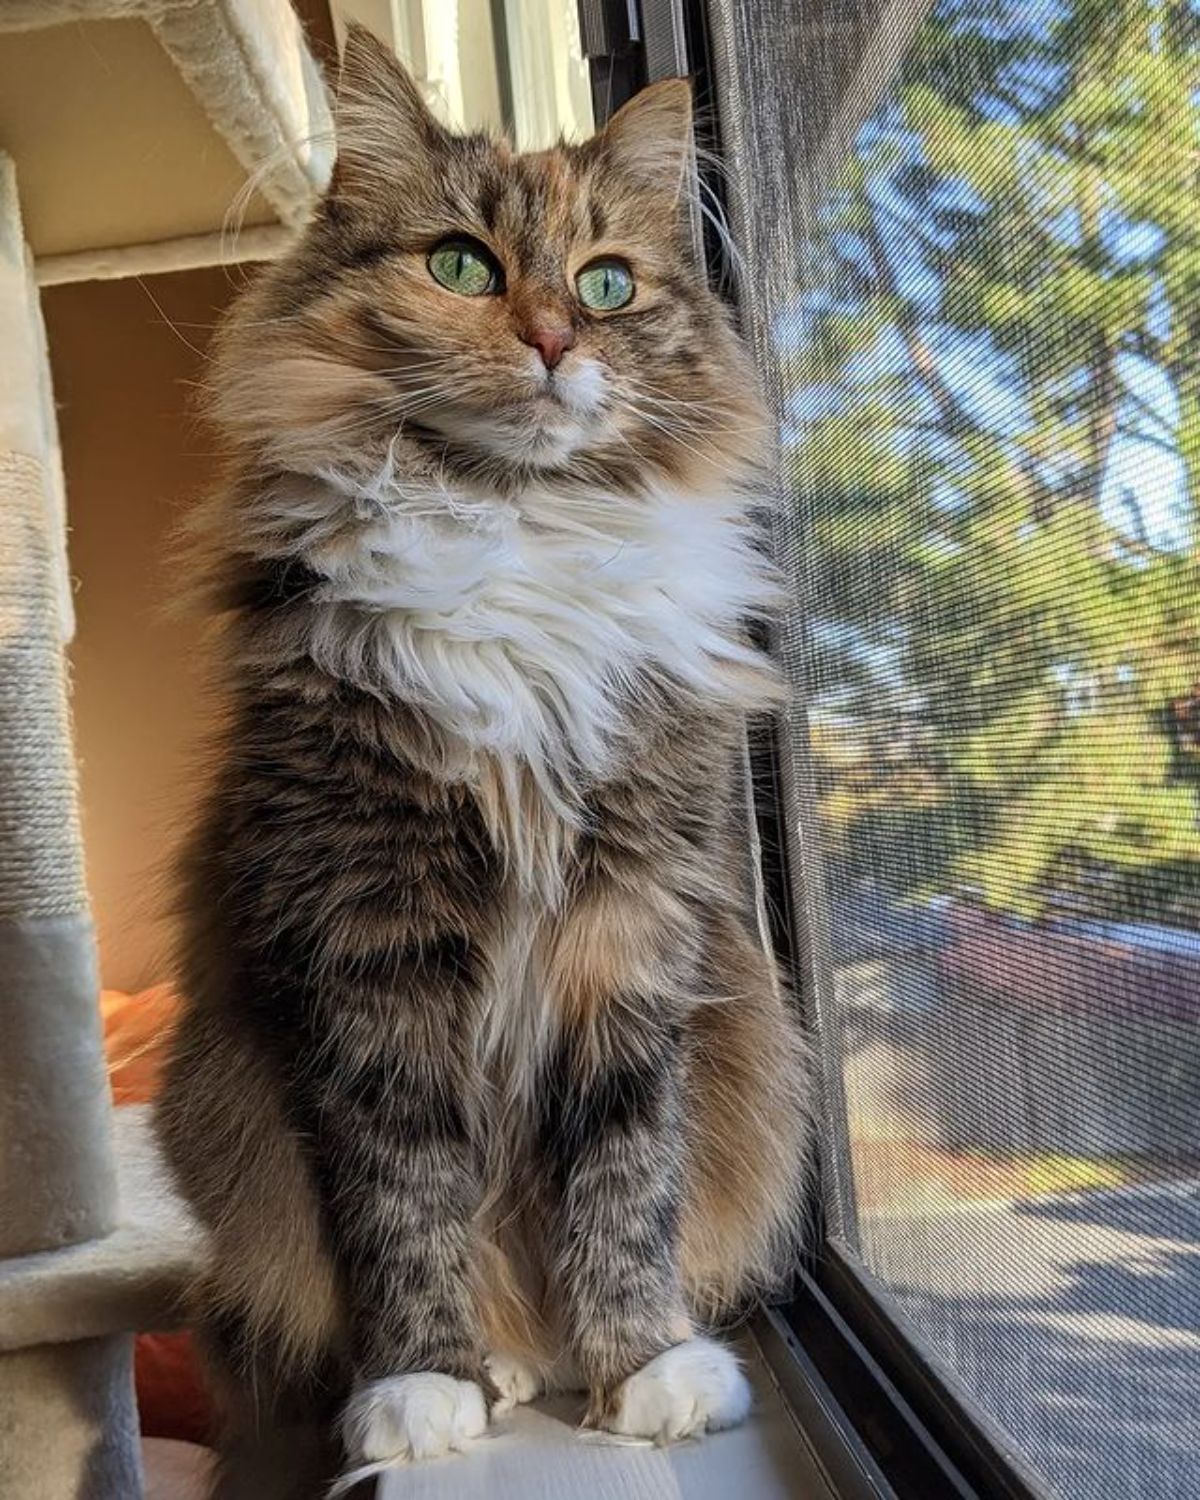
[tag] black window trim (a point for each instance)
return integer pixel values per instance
(938, 1413)
(613, 41)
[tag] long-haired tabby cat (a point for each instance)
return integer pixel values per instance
(484, 1082)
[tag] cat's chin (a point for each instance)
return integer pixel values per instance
(548, 440)
(542, 449)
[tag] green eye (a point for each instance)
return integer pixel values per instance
(605, 285)
(463, 266)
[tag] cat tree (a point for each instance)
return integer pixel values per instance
(92, 1244)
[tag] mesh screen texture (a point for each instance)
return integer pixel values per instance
(972, 240)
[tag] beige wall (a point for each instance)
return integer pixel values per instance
(136, 457)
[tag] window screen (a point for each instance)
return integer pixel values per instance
(972, 240)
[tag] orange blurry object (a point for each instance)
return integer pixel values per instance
(136, 1030)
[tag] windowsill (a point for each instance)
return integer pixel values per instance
(540, 1454)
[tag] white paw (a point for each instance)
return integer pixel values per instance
(412, 1416)
(515, 1378)
(694, 1387)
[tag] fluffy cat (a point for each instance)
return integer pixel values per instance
(484, 1081)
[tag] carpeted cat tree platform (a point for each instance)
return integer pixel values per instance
(93, 1245)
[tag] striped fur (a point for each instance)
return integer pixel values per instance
(480, 1057)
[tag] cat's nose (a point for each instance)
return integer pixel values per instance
(551, 340)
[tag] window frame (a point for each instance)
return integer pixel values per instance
(883, 1417)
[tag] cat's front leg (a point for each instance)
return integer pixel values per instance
(399, 1175)
(612, 1138)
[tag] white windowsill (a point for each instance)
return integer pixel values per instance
(540, 1454)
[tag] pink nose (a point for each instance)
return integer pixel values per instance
(551, 340)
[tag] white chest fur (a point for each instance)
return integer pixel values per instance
(519, 628)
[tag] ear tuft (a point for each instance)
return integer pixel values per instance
(383, 125)
(650, 138)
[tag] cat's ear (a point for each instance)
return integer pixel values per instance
(650, 138)
(385, 130)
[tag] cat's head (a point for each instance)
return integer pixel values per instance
(514, 315)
